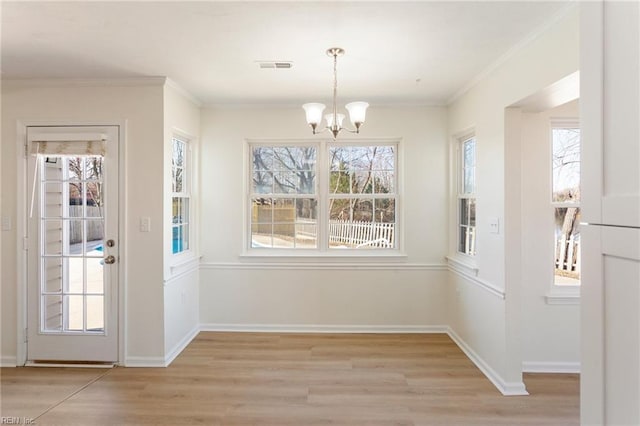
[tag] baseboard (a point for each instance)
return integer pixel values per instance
(179, 347)
(551, 367)
(66, 365)
(144, 361)
(312, 328)
(506, 388)
(8, 361)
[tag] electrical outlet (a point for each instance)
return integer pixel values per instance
(6, 223)
(145, 224)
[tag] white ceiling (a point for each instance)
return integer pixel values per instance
(396, 52)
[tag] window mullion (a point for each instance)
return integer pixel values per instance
(322, 193)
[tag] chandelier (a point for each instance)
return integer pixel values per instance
(314, 110)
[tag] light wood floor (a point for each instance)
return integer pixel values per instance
(291, 379)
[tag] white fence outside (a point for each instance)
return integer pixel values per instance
(353, 233)
(568, 254)
(361, 234)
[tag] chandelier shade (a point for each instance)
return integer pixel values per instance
(314, 112)
(357, 110)
(329, 118)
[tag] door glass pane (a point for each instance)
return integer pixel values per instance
(94, 169)
(76, 199)
(72, 235)
(75, 275)
(52, 237)
(95, 313)
(52, 168)
(75, 237)
(52, 273)
(75, 167)
(95, 237)
(95, 275)
(74, 315)
(52, 313)
(53, 200)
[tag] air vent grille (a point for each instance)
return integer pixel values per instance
(275, 64)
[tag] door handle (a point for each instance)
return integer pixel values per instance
(110, 260)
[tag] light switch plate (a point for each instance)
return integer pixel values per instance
(6, 223)
(494, 225)
(145, 224)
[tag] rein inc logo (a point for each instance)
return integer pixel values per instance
(5, 420)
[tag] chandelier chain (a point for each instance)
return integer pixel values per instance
(335, 89)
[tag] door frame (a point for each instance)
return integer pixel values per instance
(23, 198)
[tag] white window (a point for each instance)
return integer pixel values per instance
(362, 196)
(283, 196)
(467, 196)
(180, 195)
(565, 201)
(322, 196)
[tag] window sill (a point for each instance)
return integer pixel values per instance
(464, 264)
(182, 264)
(323, 257)
(568, 295)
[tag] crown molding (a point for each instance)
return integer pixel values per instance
(291, 105)
(184, 92)
(85, 82)
(514, 50)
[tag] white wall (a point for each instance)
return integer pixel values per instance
(238, 290)
(551, 333)
(181, 117)
(491, 326)
(141, 107)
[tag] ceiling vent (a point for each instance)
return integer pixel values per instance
(275, 64)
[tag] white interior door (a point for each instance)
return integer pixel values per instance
(610, 293)
(610, 376)
(73, 244)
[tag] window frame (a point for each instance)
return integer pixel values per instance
(561, 123)
(186, 193)
(322, 192)
(461, 194)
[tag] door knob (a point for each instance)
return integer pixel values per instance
(109, 260)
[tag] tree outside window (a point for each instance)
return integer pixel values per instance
(565, 199)
(358, 196)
